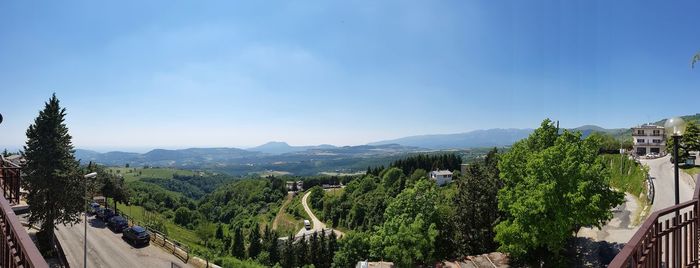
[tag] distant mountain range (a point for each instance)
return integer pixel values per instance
(308, 159)
(482, 138)
(278, 147)
(472, 139)
(281, 151)
(261, 155)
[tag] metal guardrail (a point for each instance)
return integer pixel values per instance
(178, 249)
(650, 189)
(16, 247)
(668, 238)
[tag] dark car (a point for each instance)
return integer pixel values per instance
(93, 208)
(136, 235)
(117, 224)
(97, 211)
(105, 214)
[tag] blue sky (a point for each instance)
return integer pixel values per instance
(176, 74)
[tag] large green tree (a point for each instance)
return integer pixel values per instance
(52, 178)
(110, 185)
(691, 137)
(352, 248)
(408, 235)
(553, 185)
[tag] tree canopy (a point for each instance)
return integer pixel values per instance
(553, 185)
(409, 233)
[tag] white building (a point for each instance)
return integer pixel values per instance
(441, 177)
(648, 139)
(299, 185)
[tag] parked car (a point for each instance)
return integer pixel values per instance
(97, 211)
(105, 214)
(117, 224)
(307, 224)
(93, 208)
(136, 235)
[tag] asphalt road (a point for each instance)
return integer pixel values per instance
(619, 228)
(107, 249)
(316, 224)
(661, 169)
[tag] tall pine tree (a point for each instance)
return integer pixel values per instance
(476, 206)
(238, 248)
(322, 251)
(302, 251)
(273, 247)
(332, 247)
(254, 239)
(314, 249)
(219, 232)
(288, 256)
(51, 173)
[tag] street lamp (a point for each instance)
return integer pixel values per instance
(676, 126)
(87, 176)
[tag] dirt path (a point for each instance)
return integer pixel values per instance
(281, 211)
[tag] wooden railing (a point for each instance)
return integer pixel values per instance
(668, 238)
(10, 177)
(16, 247)
(180, 250)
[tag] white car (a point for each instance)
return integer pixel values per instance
(307, 224)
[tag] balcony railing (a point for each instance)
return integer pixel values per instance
(648, 134)
(10, 180)
(16, 247)
(650, 144)
(668, 238)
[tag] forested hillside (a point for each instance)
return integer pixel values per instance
(393, 213)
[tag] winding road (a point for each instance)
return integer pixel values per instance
(661, 169)
(620, 229)
(316, 224)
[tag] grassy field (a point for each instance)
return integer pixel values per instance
(691, 170)
(175, 232)
(626, 174)
(292, 218)
(131, 174)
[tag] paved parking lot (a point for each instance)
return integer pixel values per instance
(108, 249)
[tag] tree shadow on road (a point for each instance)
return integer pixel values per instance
(586, 252)
(97, 223)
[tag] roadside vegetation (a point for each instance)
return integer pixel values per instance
(692, 171)
(626, 174)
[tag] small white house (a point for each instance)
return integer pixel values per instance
(441, 177)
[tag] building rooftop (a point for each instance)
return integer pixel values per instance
(442, 172)
(649, 126)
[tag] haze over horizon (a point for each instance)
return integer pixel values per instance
(181, 75)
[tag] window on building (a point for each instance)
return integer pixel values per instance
(656, 141)
(640, 140)
(657, 132)
(640, 131)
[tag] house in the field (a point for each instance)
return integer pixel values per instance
(441, 177)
